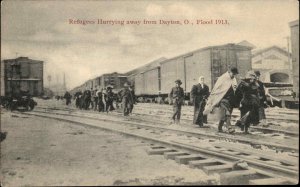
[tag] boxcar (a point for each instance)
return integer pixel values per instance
(147, 84)
(145, 79)
(210, 62)
(113, 79)
(152, 81)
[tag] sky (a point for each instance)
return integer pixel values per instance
(41, 30)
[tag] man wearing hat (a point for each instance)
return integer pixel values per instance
(127, 100)
(133, 98)
(100, 103)
(262, 99)
(223, 96)
(95, 98)
(176, 97)
(199, 94)
(87, 98)
(108, 99)
(250, 102)
(68, 97)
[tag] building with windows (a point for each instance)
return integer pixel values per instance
(274, 63)
(23, 75)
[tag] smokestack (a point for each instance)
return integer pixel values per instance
(65, 87)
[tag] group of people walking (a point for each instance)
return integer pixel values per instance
(247, 94)
(103, 100)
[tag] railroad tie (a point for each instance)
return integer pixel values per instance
(184, 159)
(159, 151)
(205, 162)
(172, 155)
(217, 168)
(240, 177)
(270, 181)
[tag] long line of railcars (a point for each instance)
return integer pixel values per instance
(154, 80)
(116, 80)
(210, 62)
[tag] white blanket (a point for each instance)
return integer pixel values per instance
(222, 85)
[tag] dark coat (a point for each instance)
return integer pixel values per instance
(250, 102)
(67, 95)
(250, 93)
(198, 93)
(125, 94)
(198, 96)
(177, 95)
(87, 95)
(261, 93)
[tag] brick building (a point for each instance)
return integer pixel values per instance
(23, 75)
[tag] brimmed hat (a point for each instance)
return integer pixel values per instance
(234, 70)
(126, 84)
(109, 87)
(178, 81)
(257, 73)
(250, 74)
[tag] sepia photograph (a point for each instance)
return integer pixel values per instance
(149, 92)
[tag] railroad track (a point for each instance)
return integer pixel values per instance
(207, 154)
(163, 120)
(280, 114)
(187, 114)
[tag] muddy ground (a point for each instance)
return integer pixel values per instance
(38, 152)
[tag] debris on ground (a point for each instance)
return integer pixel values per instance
(241, 164)
(2, 136)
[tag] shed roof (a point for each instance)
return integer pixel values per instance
(274, 47)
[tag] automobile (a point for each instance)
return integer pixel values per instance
(25, 102)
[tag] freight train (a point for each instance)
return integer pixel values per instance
(154, 83)
(116, 80)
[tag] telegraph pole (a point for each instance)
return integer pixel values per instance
(65, 87)
(288, 49)
(49, 80)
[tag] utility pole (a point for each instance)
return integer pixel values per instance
(49, 80)
(288, 49)
(65, 87)
(57, 85)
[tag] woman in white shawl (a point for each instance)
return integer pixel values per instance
(222, 95)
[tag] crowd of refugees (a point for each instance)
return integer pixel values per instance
(247, 94)
(103, 99)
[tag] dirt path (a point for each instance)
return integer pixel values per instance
(48, 152)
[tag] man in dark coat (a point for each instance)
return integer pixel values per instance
(262, 99)
(78, 96)
(95, 99)
(127, 99)
(109, 98)
(100, 104)
(68, 97)
(176, 98)
(199, 94)
(87, 99)
(250, 102)
(133, 99)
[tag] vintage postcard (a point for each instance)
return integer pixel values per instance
(149, 92)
